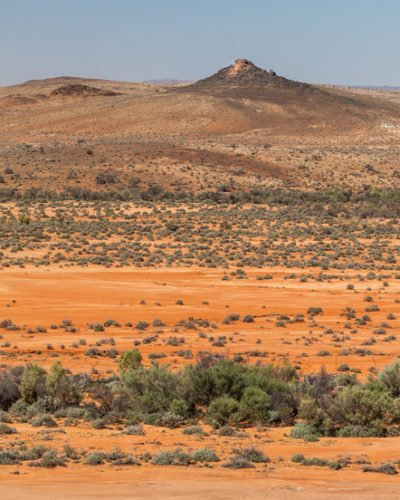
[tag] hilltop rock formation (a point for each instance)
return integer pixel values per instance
(246, 74)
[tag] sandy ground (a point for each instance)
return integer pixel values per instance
(32, 297)
(200, 485)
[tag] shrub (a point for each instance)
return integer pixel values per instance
(223, 410)
(9, 390)
(5, 417)
(99, 423)
(231, 318)
(252, 454)
(298, 458)
(236, 462)
(360, 431)
(193, 429)
(163, 458)
(304, 431)
(179, 407)
(316, 461)
(227, 431)
(314, 311)
(134, 430)
(248, 319)
(255, 405)
(164, 419)
(105, 178)
(117, 457)
(43, 421)
(358, 405)
(390, 378)
(49, 460)
(62, 388)
(205, 455)
(32, 384)
(9, 457)
(130, 360)
(95, 458)
(383, 469)
(177, 457)
(6, 429)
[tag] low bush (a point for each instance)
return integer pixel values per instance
(205, 455)
(236, 462)
(388, 469)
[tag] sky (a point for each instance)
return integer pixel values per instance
(351, 42)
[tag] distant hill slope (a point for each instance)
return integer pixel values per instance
(243, 127)
(168, 81)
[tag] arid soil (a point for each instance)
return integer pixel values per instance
(32, 298)
(145, 483)
(245, 217)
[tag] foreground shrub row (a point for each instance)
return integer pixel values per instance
(220, 392)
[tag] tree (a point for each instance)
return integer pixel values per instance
(60, 386)
(32, 384)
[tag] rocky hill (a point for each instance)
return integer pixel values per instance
(244, 73)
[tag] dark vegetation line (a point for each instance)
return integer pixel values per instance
(220, 392)
(379, 197)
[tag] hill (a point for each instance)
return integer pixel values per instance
(245, 73)
(242, 128)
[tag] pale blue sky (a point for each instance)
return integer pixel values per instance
(334, 41)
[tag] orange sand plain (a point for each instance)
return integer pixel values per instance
(32, 297)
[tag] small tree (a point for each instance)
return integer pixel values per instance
(32, 384)
(60, 386)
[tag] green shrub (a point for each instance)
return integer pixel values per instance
(205, 455)
(43, 421)
(383, 469)
(95, 458)
(33, 383)
(248, 319)
(390, 378)
(254, 405)
(252, 454)
(298, 458)
(177, 457)
(49, 460)
(193, 430)
(9, 457)
(130, 360)
(236, 462)
(303, 431)
(9, 388)
(226, 430)
(134, 430)
(5, 417)
(6, 429)
(223, 410)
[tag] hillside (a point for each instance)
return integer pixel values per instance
(241, 128)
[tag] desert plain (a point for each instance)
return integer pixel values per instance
(199, 289)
